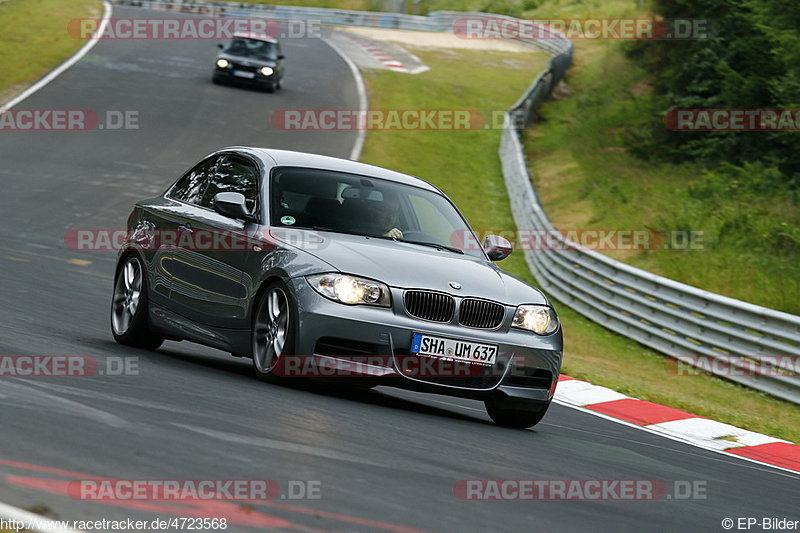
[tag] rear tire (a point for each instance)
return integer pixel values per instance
(273, 331)
(130, 306)
(513, 417)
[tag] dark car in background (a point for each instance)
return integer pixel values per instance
(359, 269)
(250, 59)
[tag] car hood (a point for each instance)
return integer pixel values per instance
(249, 61)
(405, 265)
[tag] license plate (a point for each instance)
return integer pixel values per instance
(472, 352)
(244, 74)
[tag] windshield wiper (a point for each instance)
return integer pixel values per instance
(375, 236)
(434, 245)
(344, 232)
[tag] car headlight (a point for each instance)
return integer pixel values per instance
(223, 63)
(267, 71)
(350, 290)
(539, 319)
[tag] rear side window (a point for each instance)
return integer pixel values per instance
(232, 174)
(192, 185)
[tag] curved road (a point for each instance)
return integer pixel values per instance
(385, 460)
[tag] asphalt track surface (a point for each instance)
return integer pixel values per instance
(385, 460)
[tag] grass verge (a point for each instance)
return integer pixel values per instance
(464, 165)
(34, 39)
(745, 244)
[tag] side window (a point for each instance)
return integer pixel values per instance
(191, 186)
(232, 174)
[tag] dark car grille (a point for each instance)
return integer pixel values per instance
(432, 306)
(239, 66)
(480, 314)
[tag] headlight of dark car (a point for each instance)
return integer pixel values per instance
(350, 290)
(539, 319)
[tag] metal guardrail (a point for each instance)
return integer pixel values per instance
(752, 345)
(436, 21)
(675, 319)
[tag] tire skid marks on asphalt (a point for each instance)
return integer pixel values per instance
(106, 398)
(197, 508)
(397, 461)
(70, 261)
(286, 446)
(13, 256)
(25, 395)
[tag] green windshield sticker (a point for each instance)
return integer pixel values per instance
(287, 220)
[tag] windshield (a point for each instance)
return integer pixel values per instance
(252, 48)
(347, 203)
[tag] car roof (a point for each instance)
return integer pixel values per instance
(255, 37)
(287, 158)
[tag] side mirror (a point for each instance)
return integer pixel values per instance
(231, 204)
(496, 247)
(220, 46)
(281, 56)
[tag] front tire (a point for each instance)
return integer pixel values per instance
(273, 332)
(505, 415)
(130, 307)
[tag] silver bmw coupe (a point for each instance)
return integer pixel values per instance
(318, 267)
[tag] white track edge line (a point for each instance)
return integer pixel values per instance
(14, 513)
(9, 511)
(56, 72)
(363, 104)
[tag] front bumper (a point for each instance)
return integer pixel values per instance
(379, 339)
(226, 74)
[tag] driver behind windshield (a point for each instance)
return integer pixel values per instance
(384, 217)
(371, 211)
(252, 48)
